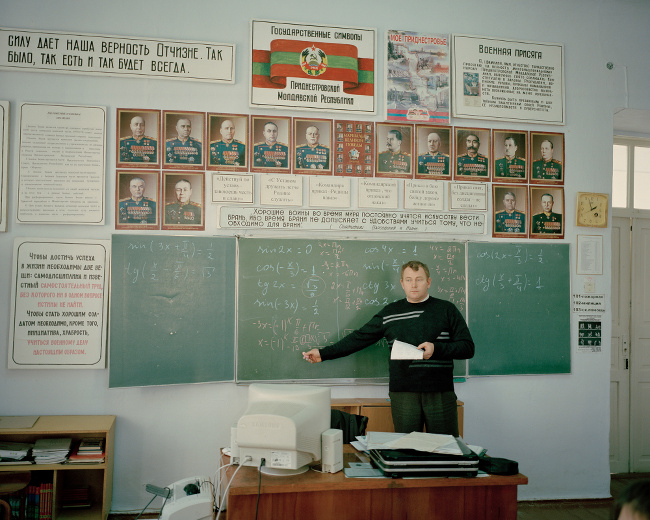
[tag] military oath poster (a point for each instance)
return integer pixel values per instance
(508, 80)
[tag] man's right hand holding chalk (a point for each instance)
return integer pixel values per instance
(313, 356)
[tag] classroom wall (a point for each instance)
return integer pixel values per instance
(556, 426)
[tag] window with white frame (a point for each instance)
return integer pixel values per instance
(631, 176)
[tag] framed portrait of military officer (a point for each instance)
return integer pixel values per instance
(312, 146)
(184, 196)
(547, 152)
(510, 156)
(136, 199)
(138, 138)
(510, 208)
(184, 140)
(434, 151)
(228, 142)
(547, 210)
(472, 159)
(394, 149)
(271, 138)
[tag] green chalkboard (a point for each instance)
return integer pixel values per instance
(172, 310)
(519, 308)
(295, 294)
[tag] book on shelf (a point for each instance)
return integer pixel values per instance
(38, 505)
(81, 458)
(89, 456)
(14, 450)
(45, 512)
(75, 497)
(51, 450)
(12, 462)
(91, 445)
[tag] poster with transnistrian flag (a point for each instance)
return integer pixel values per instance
(313, 67)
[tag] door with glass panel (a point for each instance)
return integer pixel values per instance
(631, 306)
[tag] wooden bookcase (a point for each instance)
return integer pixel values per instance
(98, 477)
(377, 410)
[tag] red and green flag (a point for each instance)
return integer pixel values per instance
(313, 60)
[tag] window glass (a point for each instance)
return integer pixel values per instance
(641, 177)
(619, 178)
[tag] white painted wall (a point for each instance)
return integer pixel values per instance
(556, 426)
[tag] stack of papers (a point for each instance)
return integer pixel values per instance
(89, 451)
(430, 442)
(14, 452)
(51, 451)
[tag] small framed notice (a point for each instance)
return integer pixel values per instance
(467, 195)
(589, 256)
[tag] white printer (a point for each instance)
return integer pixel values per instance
(189, 499)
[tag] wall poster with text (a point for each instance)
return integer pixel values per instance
(59, 304)
(508, 80)
(417, 77)
(313, 67)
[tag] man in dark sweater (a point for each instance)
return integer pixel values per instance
(421, 391)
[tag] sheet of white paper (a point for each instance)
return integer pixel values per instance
(403, 350)
(431, 442)
(380, 440)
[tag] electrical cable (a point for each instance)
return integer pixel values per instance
(259, 485)
(145, 508)
(225, 492)
(217, 490)
(209, 481)
(161, 509)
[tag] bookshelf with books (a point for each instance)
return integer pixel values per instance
(79, 489)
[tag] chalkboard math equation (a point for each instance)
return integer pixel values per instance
(504, 281)
(296, 294)
(185, 248)
(513, 277)
(165, 261)
(519, 255)
(155, 273)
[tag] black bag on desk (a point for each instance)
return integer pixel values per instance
(498, 466)
(352, 425)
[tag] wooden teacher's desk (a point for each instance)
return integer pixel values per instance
(329, 496)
